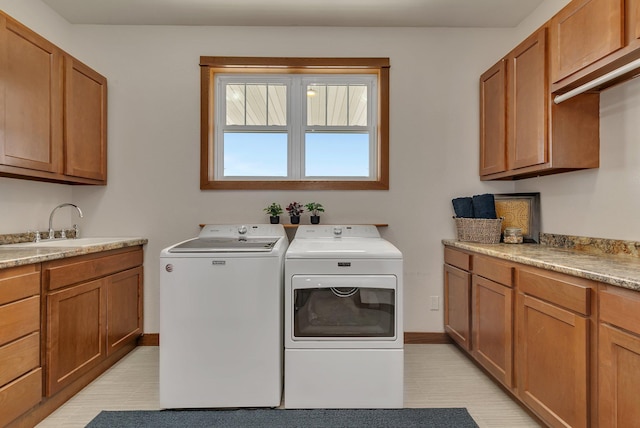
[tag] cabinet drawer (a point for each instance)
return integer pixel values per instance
(621, 308)
(19, 318)
(18, 283)
(62, 273)
(17, 358)
(457, 258)
(566, 291)
(494, 270)
(20, 395)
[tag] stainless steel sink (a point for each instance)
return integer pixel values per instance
(67, 243)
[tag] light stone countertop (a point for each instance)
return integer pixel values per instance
(619, 270)
(18, 256)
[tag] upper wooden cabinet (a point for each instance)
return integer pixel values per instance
(30, 99)
(52, 111)
(522, 132)
(85, 121)
(583, 32)
(493, 131)
(634, 16)
(527, 112)
(590, 38)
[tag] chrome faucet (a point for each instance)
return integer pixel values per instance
(63, 235)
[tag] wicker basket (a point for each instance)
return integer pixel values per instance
(480, 230)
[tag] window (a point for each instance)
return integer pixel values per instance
(294, 123)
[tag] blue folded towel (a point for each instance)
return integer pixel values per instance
(484, 206)
(463, 207)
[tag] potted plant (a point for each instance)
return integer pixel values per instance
(315, 209)
(274, 210)
(294, 209)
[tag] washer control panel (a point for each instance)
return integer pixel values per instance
(241, 230)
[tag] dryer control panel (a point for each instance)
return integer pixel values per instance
(337, 231)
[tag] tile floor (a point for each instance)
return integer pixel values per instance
(435, 376)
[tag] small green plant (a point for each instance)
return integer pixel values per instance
(274, 210)
(314, 208)
(294, 209)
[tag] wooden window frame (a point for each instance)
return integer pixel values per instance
(210, 65)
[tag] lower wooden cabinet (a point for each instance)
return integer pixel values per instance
(19, 396)
(20, 368)
(124, 308)
(62, 323)
(492, 328)
(619, 377)
(567, 348)
(94, 308)
(553, 346)
(457, 296)
(619, 358)
(457, 300)
(553, 374)
(76, 324)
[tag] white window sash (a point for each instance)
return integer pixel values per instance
(296, 122)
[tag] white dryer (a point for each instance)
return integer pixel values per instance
(221, 318)
(344, 344)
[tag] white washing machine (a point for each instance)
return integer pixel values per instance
(344, 344)
(221, 318)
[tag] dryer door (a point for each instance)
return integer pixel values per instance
(344, 307)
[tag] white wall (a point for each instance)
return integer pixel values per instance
(154, 96)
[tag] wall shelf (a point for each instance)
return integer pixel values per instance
(295, 226)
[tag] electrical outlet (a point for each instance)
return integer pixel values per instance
(435, 303)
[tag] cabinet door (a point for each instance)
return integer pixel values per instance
(75, 333)
(552, 368)
(583, 32)
(492, 328)
(85, 121)
(528, 89)
(124, 309)
(634, 13)
(619, 377)
(493, 111)
(30, 99)
(457, 289)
